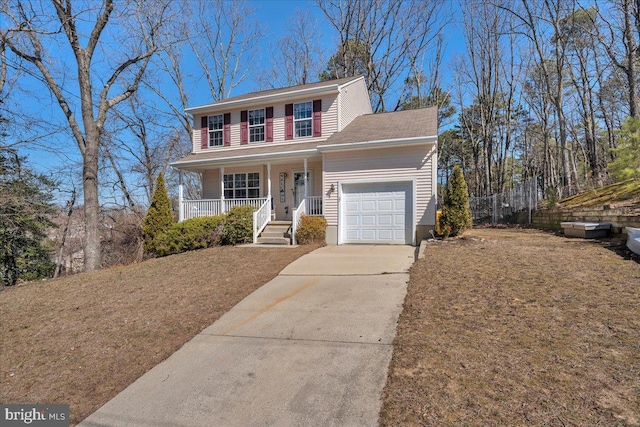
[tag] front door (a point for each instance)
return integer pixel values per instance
(298, 187)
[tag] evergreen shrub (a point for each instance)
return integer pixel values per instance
(159, 217)
(238, 225)
(456, 214)
(189, 235)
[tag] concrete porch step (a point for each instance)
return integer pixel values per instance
(274, 241)
(271, 233)
(288, 223)
(278, 228)
(276, 233)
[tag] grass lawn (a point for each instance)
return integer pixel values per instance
(513, 327)
(82, 339)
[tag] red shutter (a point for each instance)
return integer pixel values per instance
(204, 132)
(269, 124)
(244, 128)
(317, 117)
(288, 121)
(227, 129)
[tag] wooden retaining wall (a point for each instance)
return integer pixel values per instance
(618, 217)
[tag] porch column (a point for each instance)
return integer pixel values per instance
(180, 197)
(222, 190)
(306, 182)
(269, 181)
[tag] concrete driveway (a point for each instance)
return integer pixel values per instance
(309, 348)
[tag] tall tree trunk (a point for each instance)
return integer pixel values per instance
(92, 253)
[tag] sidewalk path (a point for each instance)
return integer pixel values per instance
(309, 348)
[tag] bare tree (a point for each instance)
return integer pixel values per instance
(620, 39)
(65, 230)
(538, 19)
(36, 36)
(225, 36)
(296, 58)
(381, 39)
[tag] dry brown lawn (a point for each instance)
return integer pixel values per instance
(512, 327)
(82, 339)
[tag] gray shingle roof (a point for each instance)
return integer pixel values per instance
(384, 126)
(278, 91)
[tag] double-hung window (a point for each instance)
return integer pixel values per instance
(302, 119)
(242, 185)
(216, 125)
(256, 125)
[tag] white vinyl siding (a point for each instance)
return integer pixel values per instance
(383, 164)
(354, 102)
(329, 123)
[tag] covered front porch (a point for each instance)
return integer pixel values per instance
(279, 190)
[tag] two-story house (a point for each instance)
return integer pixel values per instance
(317, 149)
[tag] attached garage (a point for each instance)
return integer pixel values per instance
(377, 212)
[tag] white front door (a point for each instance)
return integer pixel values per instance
(298, 187)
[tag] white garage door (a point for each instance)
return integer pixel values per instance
(377, 213)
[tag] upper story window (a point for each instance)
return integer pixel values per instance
(256, 125)
(302, 119)
(216, 125)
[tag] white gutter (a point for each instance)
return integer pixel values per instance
(248, 158)
(264, 98)
(308, 152)
(378, 143)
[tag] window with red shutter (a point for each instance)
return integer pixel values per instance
(204, 132)
(288, 121)
(244, 128)
(227, 129)
(317, 117)
(269, 124)
(303, 119)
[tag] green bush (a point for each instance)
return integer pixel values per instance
(312, 229)
(627, 155)
(189, 235)
(159, 217)
(238, 225)
(199, 233)
(456, 214)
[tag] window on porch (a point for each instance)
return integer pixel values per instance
(242, 185)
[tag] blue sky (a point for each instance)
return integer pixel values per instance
(274, 15)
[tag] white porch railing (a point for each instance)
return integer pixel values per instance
(296, 215)
(231, 203)
(212, 207)
(198, 208)
(314, 205)
(261, 218)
